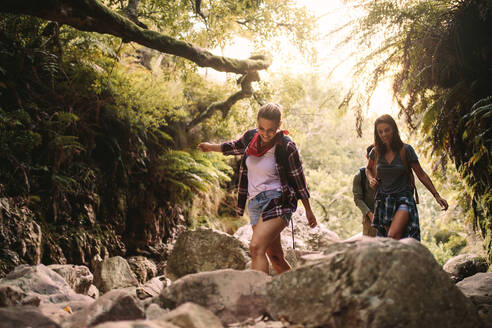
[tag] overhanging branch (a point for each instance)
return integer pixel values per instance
(93, 16)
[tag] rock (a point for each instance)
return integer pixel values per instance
(153, 287)
(262, 322)
(479, 289)
(376, 283)
(136, 324)
(232, 295)
(113, 273)
(11, 295)
(116, 305)
(60, 312)
(77, 276)
(144, 268)
(20, 235)
(93, 292)
(465, 265)
(205, 250)
(190, 315)
(25, 316)
(39, 285)
(154, 311)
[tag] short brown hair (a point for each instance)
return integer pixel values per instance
(270, 111)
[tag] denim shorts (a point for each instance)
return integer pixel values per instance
(403, 207)
(258, 203)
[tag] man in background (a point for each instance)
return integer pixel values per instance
(364, 198)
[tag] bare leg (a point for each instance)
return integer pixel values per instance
(263, 235)
(400, 221)
(276, 256)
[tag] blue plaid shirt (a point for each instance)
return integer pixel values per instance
(291, 174)
(385, 209)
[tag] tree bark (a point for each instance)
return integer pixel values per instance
(93, 16)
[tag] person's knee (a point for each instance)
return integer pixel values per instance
(256, 249)
(276, 256)
(394, 234)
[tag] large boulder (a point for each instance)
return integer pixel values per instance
(465, 265)
(205, 250)
(115, 305)
(479, 289)
(37, 285)
(25, 316)
(78, 277)
(113, 273)
(232, 295)
(376, 283)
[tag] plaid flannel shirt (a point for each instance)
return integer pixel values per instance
(385, 209)
(291, 174)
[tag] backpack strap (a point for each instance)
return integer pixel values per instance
(409, 171)
(282, 152)
(363, 180)
(376, 159)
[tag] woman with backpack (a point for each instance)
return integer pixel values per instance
(272, 179)
(389, 171)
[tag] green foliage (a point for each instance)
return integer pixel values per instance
(188, 173)
(91, 140)
(214, 23)
(443, 236)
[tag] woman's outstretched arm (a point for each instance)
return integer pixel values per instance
(207, 146)
(427, 182)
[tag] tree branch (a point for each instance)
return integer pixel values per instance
(225, 106)
(93, 16)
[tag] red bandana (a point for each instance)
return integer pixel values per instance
(258, 150)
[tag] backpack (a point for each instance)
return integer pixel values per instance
(408, 170)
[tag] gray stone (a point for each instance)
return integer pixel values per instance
(144, 268)
(479, 289)
(465, 265)
(78, 277)
(116, 305)
(39, 285)
(376, 283)
(153, 287)
(136, 324)
(190, 315)
(24, 316)
(205, 250)
(154, 311)
(113, 273)
(232, 295)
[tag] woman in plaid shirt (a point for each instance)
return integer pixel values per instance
(389, 172)
(272, 179)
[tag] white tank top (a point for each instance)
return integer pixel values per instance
(262, 173)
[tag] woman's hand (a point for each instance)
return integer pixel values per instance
(207, 146)
(441, 201)
(311, 218)
(374, 183)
